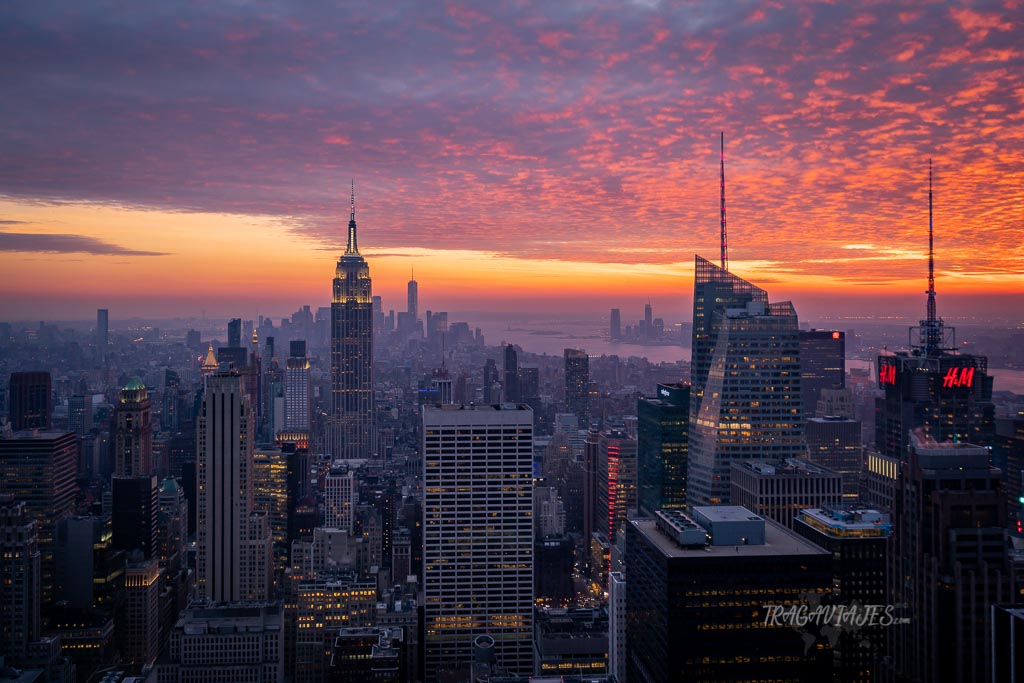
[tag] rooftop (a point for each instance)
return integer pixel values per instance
(779, 541)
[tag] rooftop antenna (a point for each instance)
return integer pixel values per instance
(931, 252)
(725, 238)
(352, 248)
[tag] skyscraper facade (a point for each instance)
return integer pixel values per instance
(477, 535)
(297, 389)
(949, 562)
(663, 444)
(133, 443)
(615, 325)
(30, 400)
(822, 365)
(511, 393)
(234, 552)
(19, 579)
(747, 394)
(352, 353)
(102, 333)
(577, 384)
(39, 469)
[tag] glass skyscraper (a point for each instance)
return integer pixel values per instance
(746, 377)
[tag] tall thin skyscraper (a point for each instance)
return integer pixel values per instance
(102, 333)
(478, 535)
(413, 307)
(352, 353)
(297, 389)
(133, 445)
(663, 443)
(234, 545)
(577, 384)
(747, 359)
(19, 579)
(235, 333)
(615, 331)
(491, 383)
(511, 375)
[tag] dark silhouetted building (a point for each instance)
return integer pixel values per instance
(822, 365)
(577, 385)
(835, 443)
(662, 448)
(571, 641)
(697, 594)
(20, 577)
(102, 333)
(511, 392)
(38, 468)
(949, 561)
(858, 539)
(616, 325)
(31, 403)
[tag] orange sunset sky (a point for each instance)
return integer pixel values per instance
(162, 160)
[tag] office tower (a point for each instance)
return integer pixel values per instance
(1008, 455)
(233, 542)
(648, 323)
(492, 392)
(881, 477)
(478, 534)
(697, 594)
(339, 497)
(511, 393)
(663, 428)
(297, 389)
(577, 384)
(1007, 643)
(20, 579)
(172, 527)
(529, 383)
(102, 333)
(271, 496)
(413, 306)
(858, 539)
(822, 365)
(746, 399)
(141, 617)
(932, 386)
(235, 333)
(616, 325)
(778, 489)
(835, 443)
(136, 506)
(714, 290)
(31, 403)
(133, 441)
(38, 468)
(948, 562)
(615, 496)
(617, 657)
(88, 569)
(588, 473)
(225, 642)
(80, 414)
(352, 353)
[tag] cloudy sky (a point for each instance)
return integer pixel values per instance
(161, 157)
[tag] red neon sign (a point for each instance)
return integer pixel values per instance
(887, 374)
(835, 335)
(958, 377)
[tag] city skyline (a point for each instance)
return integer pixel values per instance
(506, 151)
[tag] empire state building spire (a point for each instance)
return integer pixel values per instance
(353, 248)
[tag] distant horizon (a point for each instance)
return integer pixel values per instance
(990, 309)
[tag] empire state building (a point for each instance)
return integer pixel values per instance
(352, 423)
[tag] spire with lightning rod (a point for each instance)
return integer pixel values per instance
(725, 239)
(352, 249)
